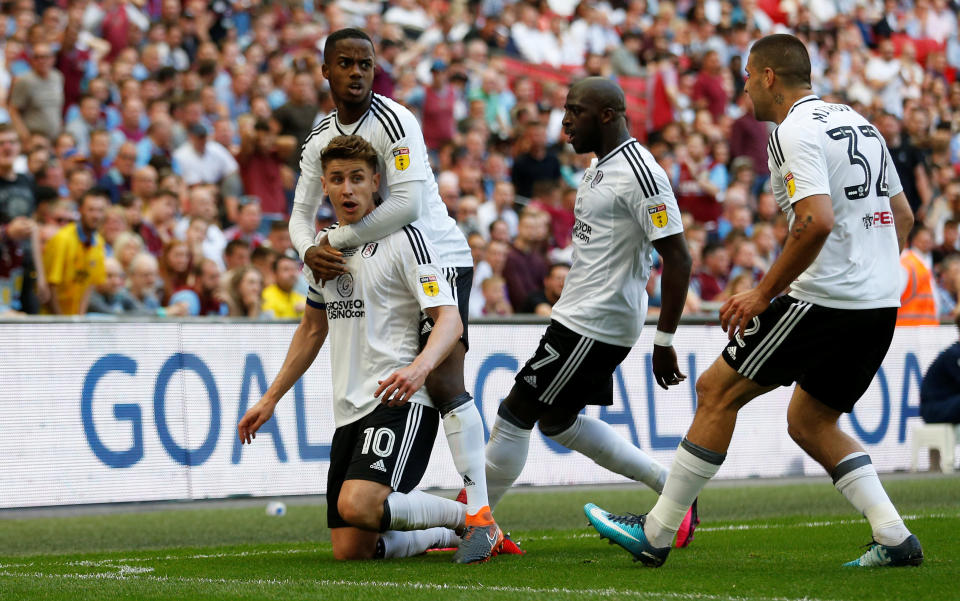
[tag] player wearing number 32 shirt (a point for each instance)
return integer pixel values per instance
(834, 178)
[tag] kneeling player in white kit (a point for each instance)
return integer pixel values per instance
(386, 424)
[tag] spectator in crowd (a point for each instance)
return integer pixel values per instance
(143, 275)
(948, 287)
(526, 265)
(710, 91)
(156, 227)
(114, 224)
(535, 163)
(118, 179)
(261, 160)
(541, 301)
(438, 106)
(127, 246)
(206, 289)
(494, 294)
(236, 254)
(111, 296)
(203, 161)
(918, 300)
(949, 237)
(97, 158)
(157, 145)
(88, 120)
(74, 258)
(13, 240)
(748, 138)
(174, 269)
(279, 238)
(248, 220)
(297, 117)
(695, 193)
(262, 258)
(712, 277)
(37, 97)
(940, 391)
(202, 204)
(280, 298)
(243, 292)
(498, 207)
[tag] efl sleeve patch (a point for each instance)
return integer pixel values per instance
(430, 285)
(401, 158)
(658, 215)
(791, 184)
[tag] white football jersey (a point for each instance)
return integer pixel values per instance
(374, 316)
(624, 203)
(823, 148)
(394, 133)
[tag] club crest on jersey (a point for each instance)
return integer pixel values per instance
(658, 215)
(345, 285)
(369, 250)
(791, 184)
(596, 179)
(401, 158)
(430, 285)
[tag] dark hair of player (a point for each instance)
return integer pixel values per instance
(349, 148)
(342, 34)
(786, 55)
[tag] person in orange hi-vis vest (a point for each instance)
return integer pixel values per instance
(918, 306)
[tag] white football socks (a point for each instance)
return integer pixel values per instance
(856, 478)
(398, 544)
(599, 441)
(506, 456)
(693, 466)
(417, 510)
(464, 430)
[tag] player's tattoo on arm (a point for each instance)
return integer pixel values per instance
(801, 226)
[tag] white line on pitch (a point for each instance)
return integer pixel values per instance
(479, 588)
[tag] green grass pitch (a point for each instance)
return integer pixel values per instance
(763, 542)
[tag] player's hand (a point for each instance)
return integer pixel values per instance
(400, 386)
(325, 261)
(740, 309)
(251, 421)
(666, 372)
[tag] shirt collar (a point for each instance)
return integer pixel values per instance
(807, 98)
(82, 236)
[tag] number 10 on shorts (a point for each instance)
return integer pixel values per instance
(381, 440)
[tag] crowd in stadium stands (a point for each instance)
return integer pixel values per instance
(159, 139)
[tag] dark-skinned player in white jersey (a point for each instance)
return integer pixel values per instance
(409, 196)
(625, 208)
(833, 176)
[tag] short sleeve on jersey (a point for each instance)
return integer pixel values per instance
(401, 144)
(315, 299)
(800, 162)
(424, 279)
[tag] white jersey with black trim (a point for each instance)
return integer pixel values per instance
(374, 316)
(395, 134)
(624, 203)
(823, 148)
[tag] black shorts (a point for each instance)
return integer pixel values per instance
(461, 282)
(833, 354)
(570, 370)
(391, 446)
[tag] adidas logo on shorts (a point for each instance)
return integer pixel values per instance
(531, 380)
(732, 351)
(378, 465)
(427, 327)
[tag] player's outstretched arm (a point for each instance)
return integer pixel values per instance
(397, 388)
(304, 347)
(674, 282)
(902, 217)
(811, 227)
(401, 208)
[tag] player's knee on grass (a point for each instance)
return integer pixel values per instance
(445, 383)
(350, 544)
(360, 503)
